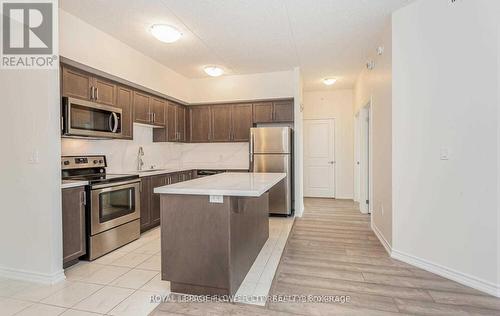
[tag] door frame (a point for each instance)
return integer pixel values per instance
(364, 158)
(357, 154)
(333, 121)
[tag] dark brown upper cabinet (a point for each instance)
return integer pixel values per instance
(241, 122)
(174, 122)
(221, 123)
(283, 111)
(104, 91)
(158, 108)
(75, 83)
(276, 111)
(181, 115)
(124, 101)
(149, 109)
(199, 123)
(141, 108)
(82, 85)
(73, 224)
(171, 129)
(263, 112)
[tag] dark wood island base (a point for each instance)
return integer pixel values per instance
(208, 248)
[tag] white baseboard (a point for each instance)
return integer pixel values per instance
(457, 276)
(381, 237)
(30, 276)
(344, 197)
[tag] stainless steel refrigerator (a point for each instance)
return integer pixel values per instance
(271, 151)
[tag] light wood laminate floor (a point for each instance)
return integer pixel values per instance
(332, 251)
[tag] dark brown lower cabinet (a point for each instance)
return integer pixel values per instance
(146, 193)
(156, 181)
(150, 202)
(73, 222)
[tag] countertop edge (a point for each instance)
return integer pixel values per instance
(144, 174)
(74, 184)
(222, 192)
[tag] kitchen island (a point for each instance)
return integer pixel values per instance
(212, 230)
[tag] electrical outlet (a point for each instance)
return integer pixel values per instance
(444, 154)
(34, 157)
(216, 199)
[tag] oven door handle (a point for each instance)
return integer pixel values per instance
(113, 185)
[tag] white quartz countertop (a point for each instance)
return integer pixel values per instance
(66, 184)
(154, 172)
(228, 184)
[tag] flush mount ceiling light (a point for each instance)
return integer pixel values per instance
(165, 33)
(329, 81)
(213, 71)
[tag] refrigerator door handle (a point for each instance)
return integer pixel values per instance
(252, 139)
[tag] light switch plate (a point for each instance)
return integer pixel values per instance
(216, 199)
(444, 154)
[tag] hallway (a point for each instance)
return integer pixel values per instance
(332, 251)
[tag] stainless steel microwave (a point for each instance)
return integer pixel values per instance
(88, 119)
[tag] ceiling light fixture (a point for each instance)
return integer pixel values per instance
(165, 33)
(213, 71)
(329, 81)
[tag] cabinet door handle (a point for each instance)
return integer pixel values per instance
(91, 92)
(97, 93)
(154, 117)
(84, 197)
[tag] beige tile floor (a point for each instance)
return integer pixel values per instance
(122, 282)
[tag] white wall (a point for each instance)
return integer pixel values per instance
(298, 94)
(30, 229)
(81, 42)
(375, 86)
(338, 105)
(243, 87)
(498, 154)
(445, 96)
(122, 154)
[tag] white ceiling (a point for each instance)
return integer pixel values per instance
(326, 38)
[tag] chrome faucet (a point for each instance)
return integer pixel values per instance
(140, 162)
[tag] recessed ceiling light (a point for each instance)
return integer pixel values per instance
(329, 81)
(165, 33)
(213, 71)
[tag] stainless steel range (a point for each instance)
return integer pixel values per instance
(113, 203)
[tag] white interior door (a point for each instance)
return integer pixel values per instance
(319, 158)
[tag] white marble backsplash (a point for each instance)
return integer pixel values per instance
(122, 154)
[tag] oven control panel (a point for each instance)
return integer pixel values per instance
(80, 162)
